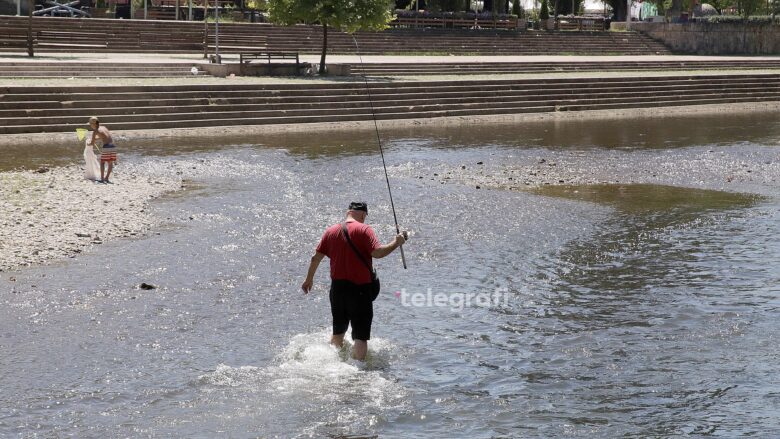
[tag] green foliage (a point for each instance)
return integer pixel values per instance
(745, 8)
(517, 9)
(661, 5)
(256, 5)
(666, 5)
(749, 7)
(345, 15)
(544, 10)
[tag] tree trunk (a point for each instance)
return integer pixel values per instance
(324, 48)
(31, 5)
(619, 9)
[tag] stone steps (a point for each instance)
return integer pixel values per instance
(62, 109)
(329, 116)
(96, 70)
(21, 105)
(144, 36)
(160, 114)
(34, 69)
(378, 89)
(397, 69)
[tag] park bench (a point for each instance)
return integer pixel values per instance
(484, 23)
(506, 24)
(462, 23)
(413, 22)
(581, 24)
(429, 22)
(246, 58)
(596, 24)
(76, 40)
(13, 37)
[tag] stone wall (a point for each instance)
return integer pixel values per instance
(715, 38)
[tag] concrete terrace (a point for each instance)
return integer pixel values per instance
(157, 91)
(15, 67)
(149, 36)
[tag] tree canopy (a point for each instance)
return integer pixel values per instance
(343, 15)
(544, 10)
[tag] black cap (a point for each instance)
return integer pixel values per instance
(356, 205)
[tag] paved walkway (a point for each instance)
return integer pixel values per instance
(204, 80)
(6, 57)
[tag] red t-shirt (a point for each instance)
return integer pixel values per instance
(344, 263)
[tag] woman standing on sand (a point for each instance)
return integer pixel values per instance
(108, 154)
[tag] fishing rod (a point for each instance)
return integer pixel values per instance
(381, 150)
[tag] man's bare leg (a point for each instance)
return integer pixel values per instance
(337, 340)
(110, 168)
(102, 170)
(359, 350)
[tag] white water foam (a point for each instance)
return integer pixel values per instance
(350, 396)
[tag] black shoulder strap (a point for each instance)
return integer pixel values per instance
(362, 259)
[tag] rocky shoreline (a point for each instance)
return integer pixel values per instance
(48, 214)
(734, 170)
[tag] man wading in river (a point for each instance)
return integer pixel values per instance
(351, 301)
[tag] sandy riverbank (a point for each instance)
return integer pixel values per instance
(753, 170)
(253, 133)
(55, 213)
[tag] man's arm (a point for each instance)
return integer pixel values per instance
(386, 249)
(315, 262)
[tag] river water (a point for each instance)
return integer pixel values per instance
(633, 310)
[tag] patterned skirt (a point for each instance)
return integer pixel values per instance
(108, 156)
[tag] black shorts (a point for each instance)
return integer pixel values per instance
(350, 303)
